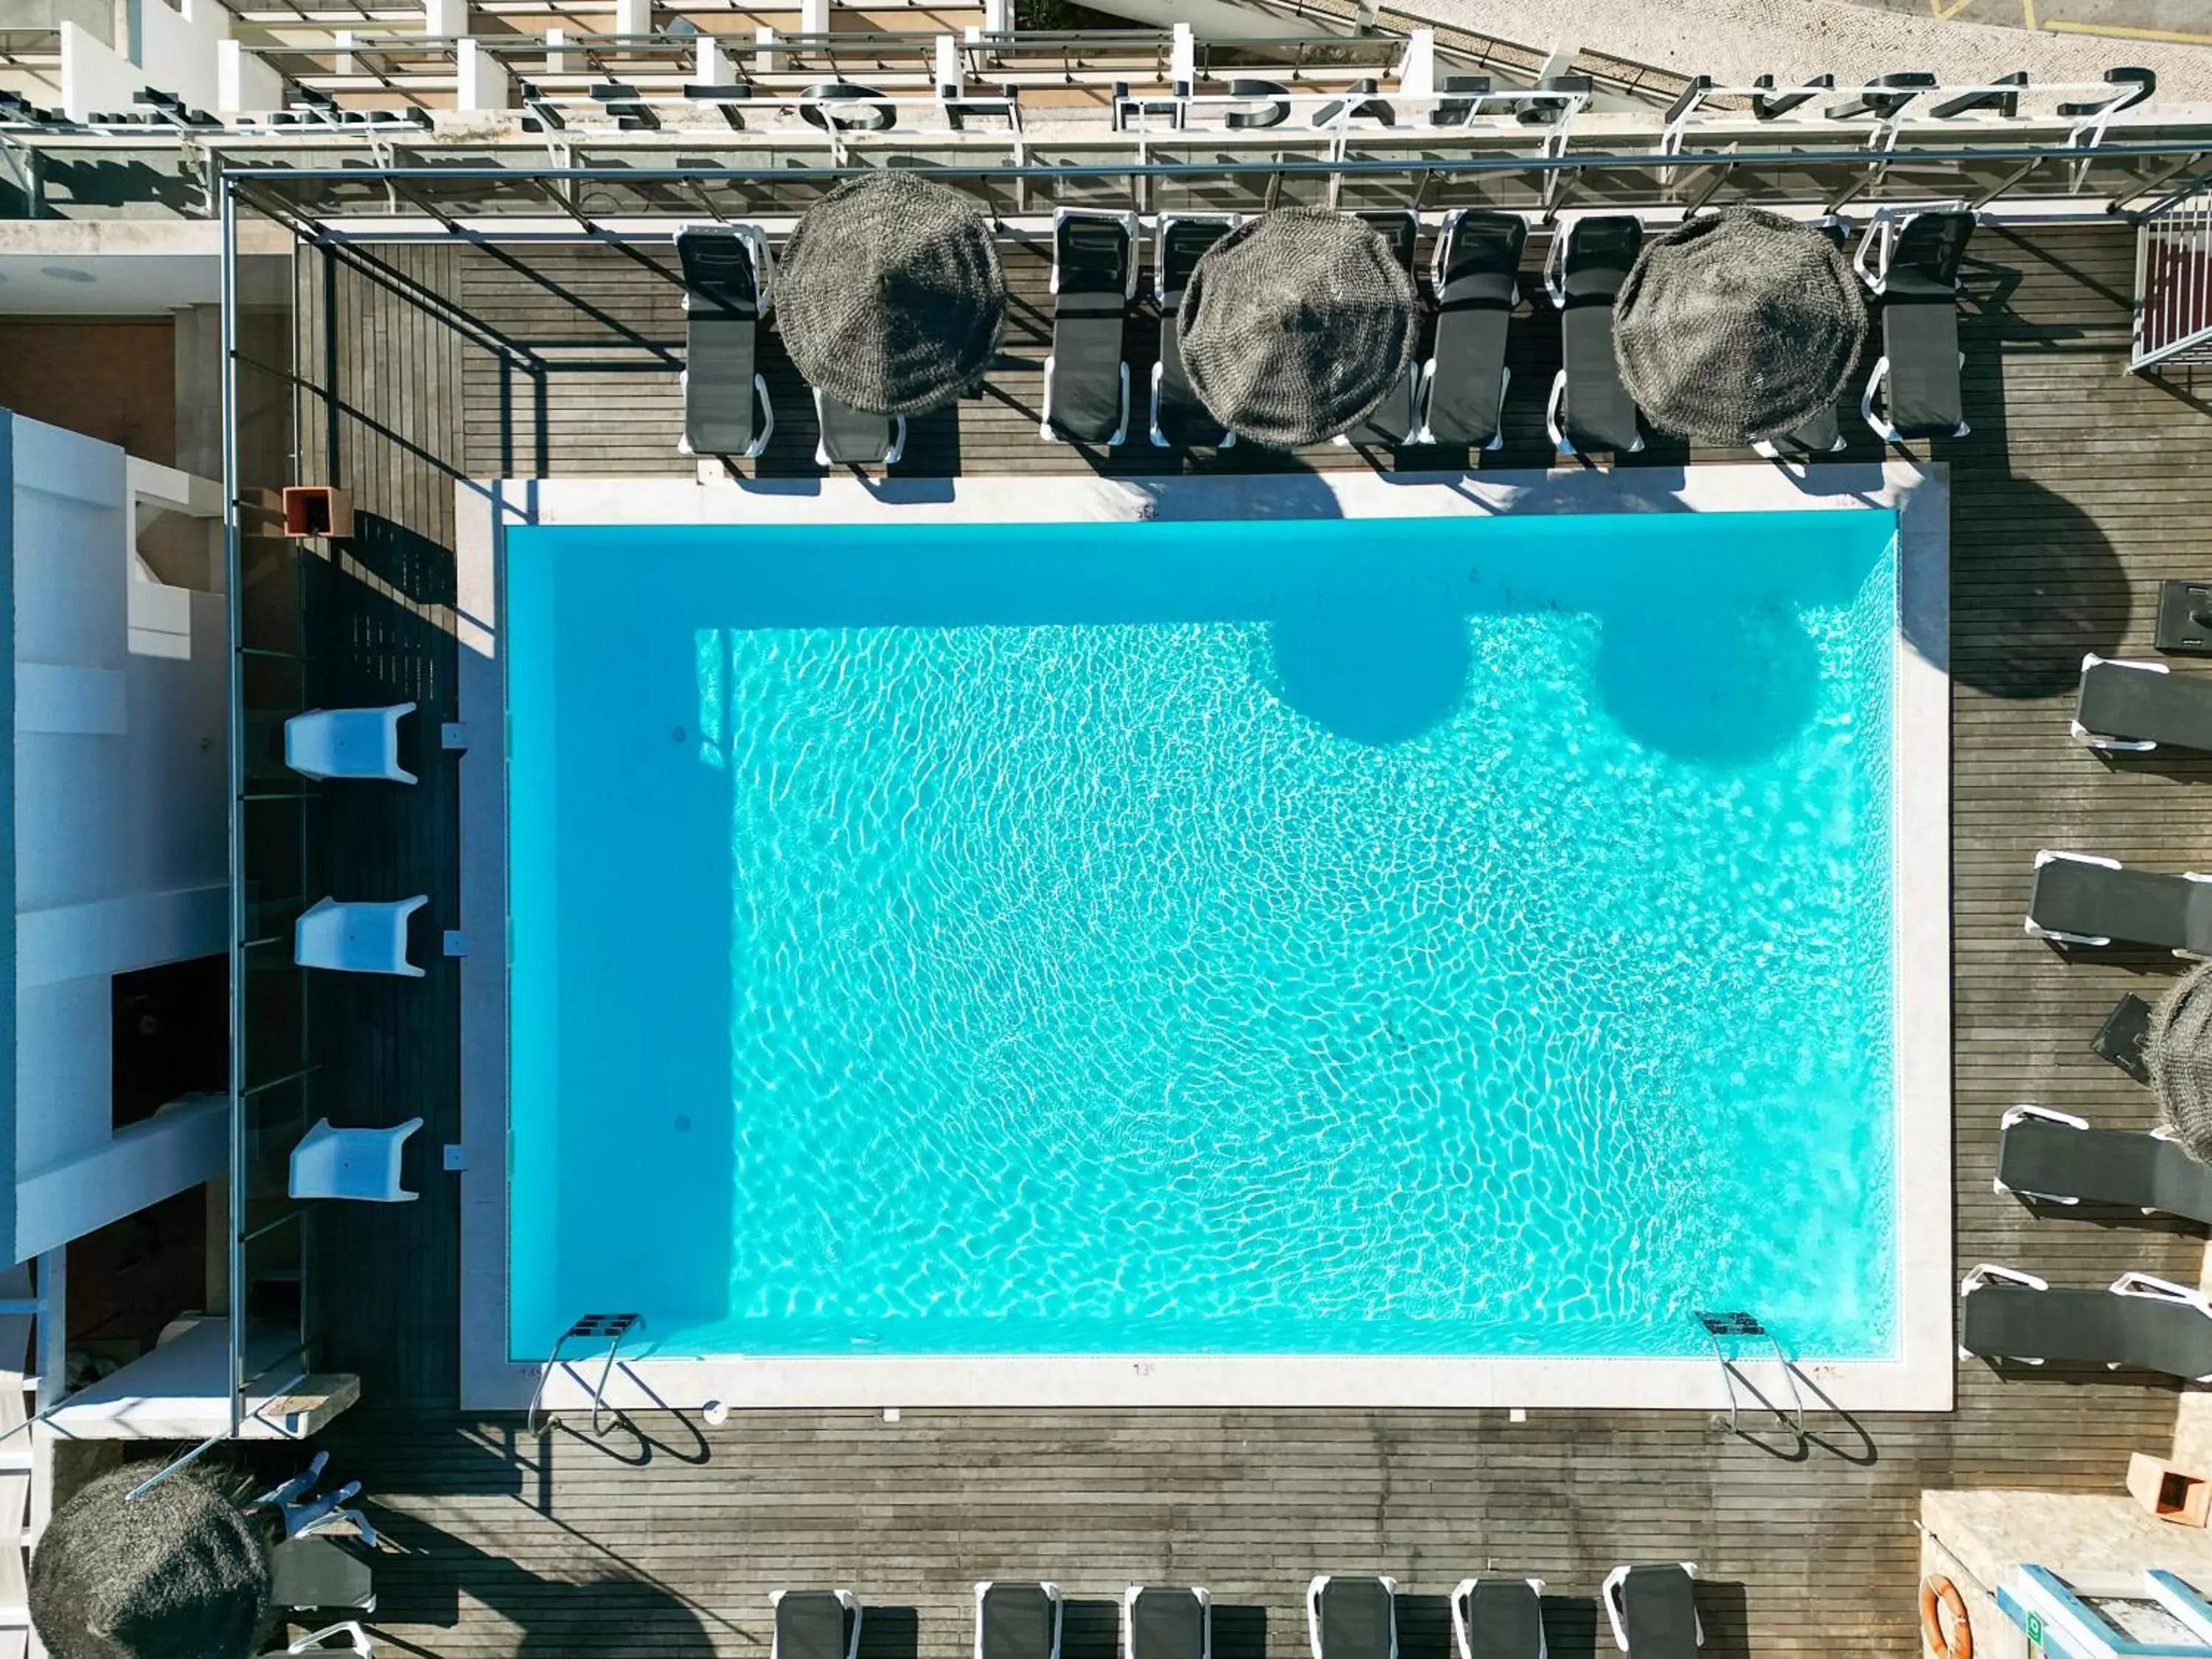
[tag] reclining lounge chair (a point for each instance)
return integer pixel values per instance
(1162, 1623)
(814, 1625)
(2137, 1323)
(1353, 1618)
(1179, 420)
(1017, 1620)
(1477, 271)
(2138, 707)
(1398, 416)
(1094, 277)
(1499, 1618)
(726, 295)
(1590, 408)
(2082, 899)
(2054, 1158)
(1653, 1610)
(1916, 259)
(854, 437)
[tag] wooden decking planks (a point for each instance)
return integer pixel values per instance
(2080, 487)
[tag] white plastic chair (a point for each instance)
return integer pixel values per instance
(356, 1164)
(347, 743)
(357, 937)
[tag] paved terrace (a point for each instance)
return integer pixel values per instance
(2080, 487)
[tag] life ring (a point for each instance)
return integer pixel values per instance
(1936, 1587)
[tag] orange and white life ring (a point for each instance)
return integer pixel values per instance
(1933, 1588)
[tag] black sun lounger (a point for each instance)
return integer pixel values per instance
(2139, 706)
(1823, 433)
(1094, 277)
(724, 297)
(1477, 271)
(816, 1624)
(1397, 418)
(1653, 1610)
(2054, 1158)
(2138, 1323)
(852, 437)
(1017, 1620)
(1179, 420)
(1498, 1618)
(1353, 1618)
(2081, 899)
(1916, 274)
(1590, 408)
(1161, 1623)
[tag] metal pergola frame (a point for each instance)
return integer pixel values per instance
(2147, 169)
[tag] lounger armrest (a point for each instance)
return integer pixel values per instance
(2155, 1288)
(2044, 1113)
(1461, 1641)
(1880, 425)
(1609, 1593)
(1553, 410)
(1555, 266)
(1989, 1273)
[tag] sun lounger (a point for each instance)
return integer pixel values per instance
(1094, 277)
(308, 1574)
(2082, 899)
(1653, 1610)
(1823, 433)
(1163, 1623)
(1017, 1621)
(1477, 272)
(362, 1164)
(1398, 417)
(1916, 271)
(726, 294)
(348, 743)
(2137, 1323)
(2137, 706)
(2054, 1158)
(356, 938)
(852, 437)
(1353, 1618)
(1590, 408)
(1179, 420)
(1498, 1618)
(814, 1625)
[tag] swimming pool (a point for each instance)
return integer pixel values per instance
(1461, 936)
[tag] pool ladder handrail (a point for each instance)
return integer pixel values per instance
(1737, 1324)
(609, 1328)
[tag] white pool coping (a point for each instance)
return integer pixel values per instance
(1919, 1377)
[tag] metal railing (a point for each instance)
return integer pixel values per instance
(2174, 284)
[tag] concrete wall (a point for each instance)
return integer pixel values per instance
(119, 829)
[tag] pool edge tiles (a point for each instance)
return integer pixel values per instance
(1918, 1376)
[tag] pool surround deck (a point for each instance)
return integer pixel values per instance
(1918, 1376)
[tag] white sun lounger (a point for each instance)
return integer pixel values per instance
(348, 743)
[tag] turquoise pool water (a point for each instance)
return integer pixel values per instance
(1462, 936)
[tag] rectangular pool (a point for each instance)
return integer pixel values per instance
(1415, 936)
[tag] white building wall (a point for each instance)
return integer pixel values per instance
(120, 831)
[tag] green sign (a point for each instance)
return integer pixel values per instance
(2035, 1630)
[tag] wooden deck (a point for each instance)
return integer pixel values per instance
(2080, 487)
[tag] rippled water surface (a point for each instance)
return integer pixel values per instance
(1465, 936)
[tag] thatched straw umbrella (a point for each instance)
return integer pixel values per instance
(181, 1573)
(2181, 1054)
(1738, 327)
(1296, 325)
(889, 295)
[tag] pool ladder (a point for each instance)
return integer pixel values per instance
(609, 1328)
(1725, 1331)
